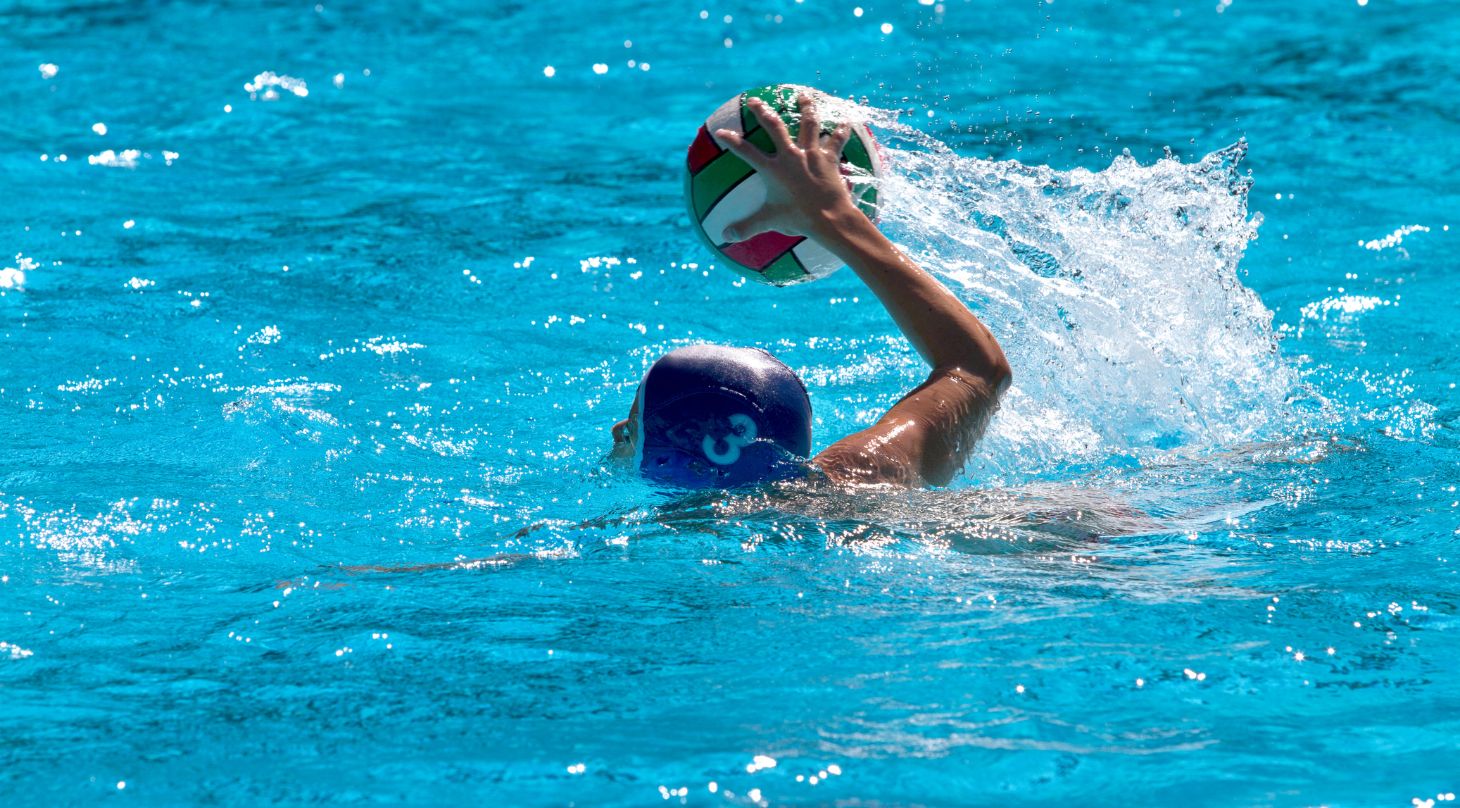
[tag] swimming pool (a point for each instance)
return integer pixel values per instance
(288, 293)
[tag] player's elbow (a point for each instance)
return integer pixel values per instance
(1000, 375)
(990, 374)
(991, 368)
(983, 360)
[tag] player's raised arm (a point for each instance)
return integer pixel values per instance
(927, 436)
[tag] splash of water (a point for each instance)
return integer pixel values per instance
(1116, 294)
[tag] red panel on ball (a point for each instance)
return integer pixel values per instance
(757, 252)
(702, 151)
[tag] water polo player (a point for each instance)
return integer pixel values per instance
(712, 416)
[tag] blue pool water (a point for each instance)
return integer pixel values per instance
(359, 285)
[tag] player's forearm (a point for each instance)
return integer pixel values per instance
(939, 326)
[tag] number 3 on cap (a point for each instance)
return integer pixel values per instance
(743, 433)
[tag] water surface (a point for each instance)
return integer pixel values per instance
(291, 293)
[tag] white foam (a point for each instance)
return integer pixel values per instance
(126, 158)
(1115, 293)
(268, 84)
(295, 389)
(1394, 239)
(384, 347)
(1343, 306)
(14, 277)
(268, 335)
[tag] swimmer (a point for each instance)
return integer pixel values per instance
(713, 416)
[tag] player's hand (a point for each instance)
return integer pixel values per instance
(803, 178)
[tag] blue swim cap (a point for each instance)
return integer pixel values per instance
(717, 417)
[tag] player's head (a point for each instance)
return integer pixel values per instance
(711, 416)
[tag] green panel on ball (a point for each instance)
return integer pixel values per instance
(761, 139)
(779, 97)
(784, 270)
(856, 154)
(867, 201)
(715, 180)
(723, 173)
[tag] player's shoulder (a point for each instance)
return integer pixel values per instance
(924, 439)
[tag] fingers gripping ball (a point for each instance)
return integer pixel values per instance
(721, 188)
